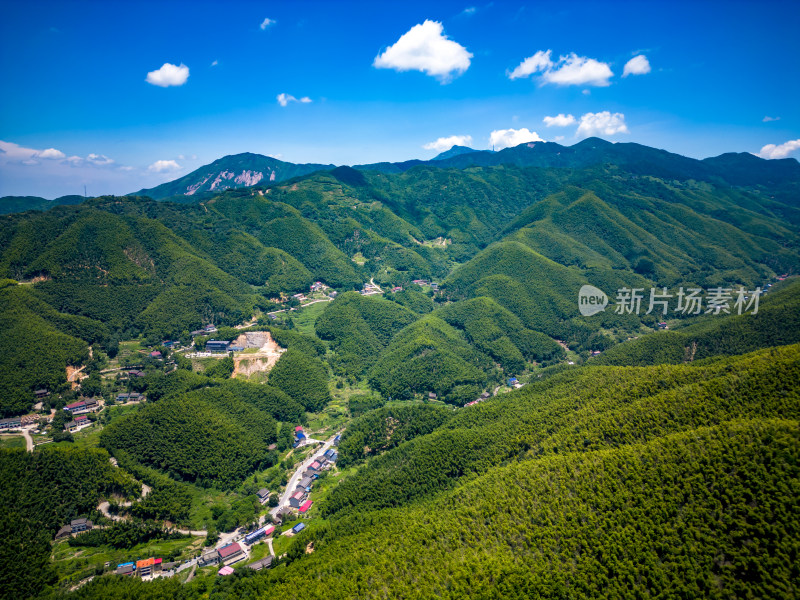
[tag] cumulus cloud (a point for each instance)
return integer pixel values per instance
(425, 48)
(638, 65)
(11, 153)
(768, 119)
(568, 70)
(508, 138)
(51, 153)
(285, 99)
(266, 23)
(445, 143)
(164, 166)
(99, 159)
(533, 64)
(780, 151)
(602, 123)
(168, 75)
(560, 120)
(215, 63)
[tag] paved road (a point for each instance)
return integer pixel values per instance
(28, 439)
(298, 475)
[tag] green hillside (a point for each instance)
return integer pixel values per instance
(15, 204)
(206, 437)
(429, 356)
(776, 323)
(36, 344)
(673, 481)
(360, 328)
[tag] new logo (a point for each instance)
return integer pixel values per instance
(591, 300)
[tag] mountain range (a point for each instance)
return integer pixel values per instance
(634, 462)
(249, 169)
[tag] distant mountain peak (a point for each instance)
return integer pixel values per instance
(232, 172)
(454, 151)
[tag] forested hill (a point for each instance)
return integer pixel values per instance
(525, 237)
(674, 481)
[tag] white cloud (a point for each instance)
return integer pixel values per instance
(602, 123)
(638, 65)
(266, 23)
(162, 166)
(558, 138)
(99, 159)
(768, 119)
(285, 99)
(469, 11)
(51, 153)
(425, 48)
(560, 120)
(508, 138)
(215, 63)
(586, 92)
(169, 75)
(780, 151)
(445, 143)
(533, 64)
(579, 70)
(568, 70)
(14, 153)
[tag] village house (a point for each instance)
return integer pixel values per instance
(217, 346)
(82, 524)
(76, 424)
(209, 558)
(297, 499)
(259, 533)
(305, 506)
(264, 563)
(263, 495)
(231, 553)
(75, 526)
(127, 568)
(144, 567)
(10, 423)
(76, 408)
(41, 394)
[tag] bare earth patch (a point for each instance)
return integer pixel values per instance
(267, 354)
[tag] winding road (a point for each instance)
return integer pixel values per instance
(298, 475)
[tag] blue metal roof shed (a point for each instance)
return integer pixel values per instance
(299, 527)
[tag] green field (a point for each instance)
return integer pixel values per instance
(12, 441)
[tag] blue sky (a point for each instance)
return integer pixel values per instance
(350, 83)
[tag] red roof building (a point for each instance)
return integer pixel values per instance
(229, 551)
(269, 530)
(306, 506)
(299, 428)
